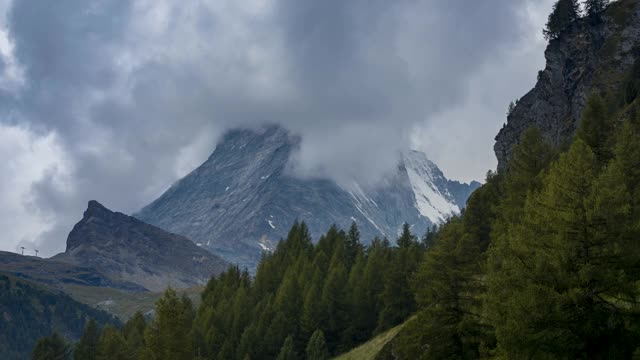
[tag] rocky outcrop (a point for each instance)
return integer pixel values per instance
(128, 249)
(242, 200)
(590, 56)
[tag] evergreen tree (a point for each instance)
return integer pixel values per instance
(397, 297)
(632, 88)
(448, 293)
(429, 237)
(287, 352)
(334, 305)
(406, 237)
(52, 347)
(312, 311)
(511, 108)
(564, 13)
(133, 332)
(352, 244)
(112, 345)
(547, 285)
(87, 347)
(168, 334)
(596, 128)
(317, 347)
(595, 7)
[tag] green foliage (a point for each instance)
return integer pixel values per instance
(595, 7)
(87, 347)
(596, 128)
(167, 336)
(563, 265)
(112, 345)
(133, 332)
(317, 347)
(29, 312)
(632, 88)
(52, 347)
(287, 352)
(334, 288)
(564, 13)
(543, 262)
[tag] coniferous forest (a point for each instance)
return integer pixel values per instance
(543, 263)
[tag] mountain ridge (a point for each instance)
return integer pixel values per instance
(126, 248)
(242, 199)
(587, 57)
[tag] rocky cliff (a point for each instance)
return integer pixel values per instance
(242, 200)
(127, 249)
(589, 56)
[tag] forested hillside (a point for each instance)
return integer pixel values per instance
(29, 311)
(306, 301)
(542, 264)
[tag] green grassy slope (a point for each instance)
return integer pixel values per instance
(122, 304)
(370, 349)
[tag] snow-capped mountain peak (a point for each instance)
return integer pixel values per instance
(242, 200)
(433, 198)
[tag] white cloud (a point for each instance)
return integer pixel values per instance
(137, 92)
(27, 158)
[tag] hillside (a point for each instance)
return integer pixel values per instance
(127, 249)
(588, 57)
(29, 311)
(371, 349)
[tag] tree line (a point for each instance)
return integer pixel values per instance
(565, 12)
(306, 300)
(545, 261)
(542, 264)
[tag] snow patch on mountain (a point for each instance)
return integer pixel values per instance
(432, 201)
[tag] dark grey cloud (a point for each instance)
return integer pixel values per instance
(136, 93)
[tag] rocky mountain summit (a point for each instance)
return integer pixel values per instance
(589, 56)
(126, 249)
(242, 200)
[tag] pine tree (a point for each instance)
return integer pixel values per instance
(406, 237)
(52, 347)
(448, 293)
(317, 347)
(312, 311)
(352, 244)
(596, 128)
(168, 334)
(112, 345)
(287, 352)
(564, 13)
(87, 347)
(632, 87)
(133, 332)
(595, 7)
(511, 108)
(334, 305)
(548, 284)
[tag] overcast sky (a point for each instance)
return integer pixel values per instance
(116, 100)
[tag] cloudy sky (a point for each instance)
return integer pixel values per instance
(115, 100)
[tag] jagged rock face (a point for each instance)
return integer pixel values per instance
(589, 56)
(126, 248)
(242, 200)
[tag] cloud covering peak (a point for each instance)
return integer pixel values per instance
(124, 97)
